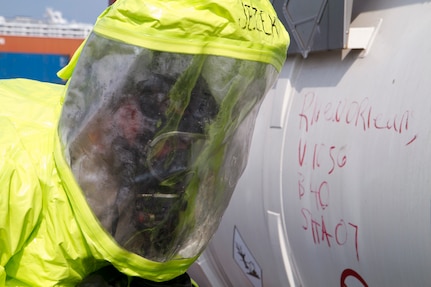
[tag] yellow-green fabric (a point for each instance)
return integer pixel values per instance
(241, 29)
(48, 234)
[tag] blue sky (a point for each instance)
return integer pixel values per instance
(84, 11)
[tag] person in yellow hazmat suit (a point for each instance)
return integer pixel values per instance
(121, 176)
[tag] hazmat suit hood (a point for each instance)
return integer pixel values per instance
(157, 121)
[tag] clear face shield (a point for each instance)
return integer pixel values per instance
(157, 141)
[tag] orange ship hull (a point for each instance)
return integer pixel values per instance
(39, 45)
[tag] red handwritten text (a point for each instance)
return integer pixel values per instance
(320, 192)
(339, 234)
(360, 114)
(333, 156)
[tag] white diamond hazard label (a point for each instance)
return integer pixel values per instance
(245, 260)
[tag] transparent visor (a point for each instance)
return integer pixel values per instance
(157, 141)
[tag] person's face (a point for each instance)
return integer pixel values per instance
(142, 169)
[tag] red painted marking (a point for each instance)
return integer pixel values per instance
(349, 272)
(412, 140)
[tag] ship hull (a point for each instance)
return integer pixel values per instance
(36, 58)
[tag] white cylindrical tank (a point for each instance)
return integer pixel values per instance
(337, 191)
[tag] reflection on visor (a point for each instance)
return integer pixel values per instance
(164, 168)
(169, 154)
(161, 177)
(159, 192)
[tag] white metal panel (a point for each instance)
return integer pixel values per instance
(341, 157)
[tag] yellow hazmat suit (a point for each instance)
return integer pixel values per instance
(163, 95)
